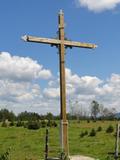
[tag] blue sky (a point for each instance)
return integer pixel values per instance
(40, 18)
(88, 21)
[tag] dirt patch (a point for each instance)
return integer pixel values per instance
(77, 157)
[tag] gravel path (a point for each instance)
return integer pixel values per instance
(80, 158)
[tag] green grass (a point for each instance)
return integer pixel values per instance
(30, 145)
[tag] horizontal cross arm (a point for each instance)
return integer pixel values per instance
(57, 42)
(79, 44)
(41, 40)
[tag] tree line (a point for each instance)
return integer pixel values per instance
(96, 111)
(5, 114)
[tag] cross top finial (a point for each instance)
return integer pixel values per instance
(61, 11)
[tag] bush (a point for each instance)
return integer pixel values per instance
(25, 124)
(20, 124)
(43, 123)
(33, 125)
(99, 129)
(51, 124)
(92, 133)
(110, 129)
(4, 124)
(82, 134)
(86, 133)
(11, 123)
(54, 124)
(88, 121)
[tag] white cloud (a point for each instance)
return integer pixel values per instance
(52, 92)
(20, 91)
(21, 69)
(99, 5)
(87, 88)
(75, 85)
(18, 85)
(109, 93)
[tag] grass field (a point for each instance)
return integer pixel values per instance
(27, 144)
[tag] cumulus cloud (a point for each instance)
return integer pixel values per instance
(99, 5)
(20, 96)
(21, 91)
(109, 93)
(87, 88)
(75, 85)
(21, 68)
(52, 92)
(18, 82)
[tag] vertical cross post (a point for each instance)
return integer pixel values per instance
(64, 123)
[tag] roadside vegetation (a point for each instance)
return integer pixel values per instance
(27, 144)
(22, 136)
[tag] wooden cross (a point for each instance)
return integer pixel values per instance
(61, 44)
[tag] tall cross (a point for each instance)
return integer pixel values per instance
(61, 44)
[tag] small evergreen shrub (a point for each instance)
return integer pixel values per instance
(92, 133)
(20, 124)
(11, 124)
(99, 129)
(43, 123)
(110, 129)
(86, 133)
(88, 121)
(55, 124)
(33, 125)
(49, 123)
(25, 124)
(4, 124)
(82, 134)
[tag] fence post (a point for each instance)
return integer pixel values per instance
(46, 144)
(117, 142)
